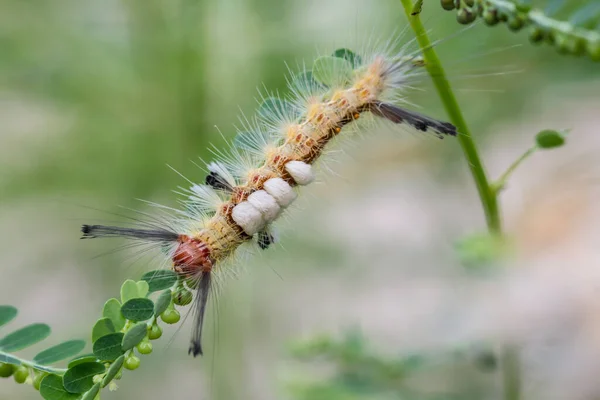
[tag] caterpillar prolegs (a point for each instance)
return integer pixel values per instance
(243, 194)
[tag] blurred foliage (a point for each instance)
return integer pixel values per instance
(348, 369)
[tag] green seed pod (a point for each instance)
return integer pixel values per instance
(132, 363)
(119, 375)
(593, 50)
(502, 16)
(465, 16)
(182, 297)
(6, 370)
(21, 374)
(536, 34)
(490, 17)
(447, 4)
(561, 43)
(144, 347)
(155, 332)
(170, 316)
(515, 23)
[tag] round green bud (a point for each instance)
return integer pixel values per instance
(536, 35)
(144, 347)
(182, 297)
(561, 43)
(490, 17)
(37, 380)
(515, 23)
(593, 49)
(97, 378)
(131, 363)
(170, 316)
(502, 16)
(6, 370)
(155, 332)
(447, 4)
(21, 374)
(465, 16)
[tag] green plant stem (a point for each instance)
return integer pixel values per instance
(511, 372)
(501, 182)
(438, 75)
(487, 192)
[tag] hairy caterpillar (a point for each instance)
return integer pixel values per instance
(246, 191)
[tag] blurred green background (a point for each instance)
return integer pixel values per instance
(97, 97)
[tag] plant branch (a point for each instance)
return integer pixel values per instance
(438, 75)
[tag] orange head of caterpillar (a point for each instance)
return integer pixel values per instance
(191, 257)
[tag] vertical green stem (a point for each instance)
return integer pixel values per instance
(438, 75)
(487, 193)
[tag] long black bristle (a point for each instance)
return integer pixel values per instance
(265, 239)
(218, 182)
(200, 307)
(420, 122)
(157, 235)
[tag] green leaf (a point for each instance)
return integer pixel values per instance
(92, 393)
(129, 290)
(59, 352)
(587, 16)
(162, 303)
(114, 369)
(79, 379)
(7, 314)
(160, 279)
(138, 309)
(332, 71)
(108, 348)
(549, 139)
(85, 358)
(348, 55)
(25, 337)
(52, 388)
(112, 310)
(134, 335)
(102, 327)
(143, 288)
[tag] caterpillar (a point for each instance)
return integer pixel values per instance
(246, 191)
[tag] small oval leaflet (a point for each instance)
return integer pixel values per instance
(160, 279)
(59, 352)
(82, 359)
(332, 71)
(112, 310)
(162, 303)
(24, 337)
(349, 55)
(114, 369)
(51, 388)
(102, 327)
(108, 348)
(129, 290)
(549, 139)
(92, 393)
(7, 314)
(134, 335)
(138, 309)
(79, 379)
